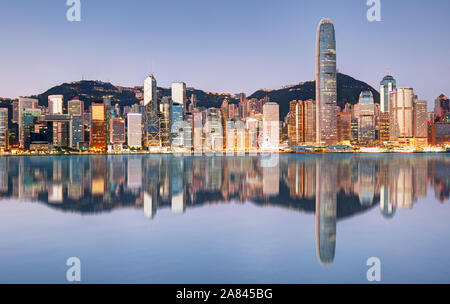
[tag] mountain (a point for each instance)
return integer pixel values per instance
(348, 90)
(90, 91)
(93, 91)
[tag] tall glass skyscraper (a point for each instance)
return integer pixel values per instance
(326, 88)
(387, 85)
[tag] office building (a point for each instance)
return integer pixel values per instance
(4, 144)
(134, 130)
(98, 140)
(271, 126)
(179, 94)
(401, 115)
(326, 88)
(344, 127)
(55, 104)
(366, 118)
(420, 122)
(387, 85)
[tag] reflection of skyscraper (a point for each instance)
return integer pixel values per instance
(326, 211)
(149, 206)
(387, 209)
(134, 173)
(271, 180)
(326, 88)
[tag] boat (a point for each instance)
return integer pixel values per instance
(403, 150)
(372, 150)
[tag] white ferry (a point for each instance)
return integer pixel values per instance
(372, 150)
(403, 150)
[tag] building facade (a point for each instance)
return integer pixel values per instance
(326, 84)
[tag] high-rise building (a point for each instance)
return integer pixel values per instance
(441, 107)
(310, 120)
(387, 85)
(187, 131)
(179, 94)
(55, 104)
(134, 130)
(344, 127)
(401, 115)
(98, 127)
(165, 122)
(150, 94)
(75, 109)
(296, 117)
(213, 134)
(4, 129)
(197, 132)
(383, 129)
(271, 126)
(176, 127)
(29, 118)
(420, 122)
(326, 88)
(117, 129)
(25, 104)
(366, 117)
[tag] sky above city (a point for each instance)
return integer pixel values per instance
(220, 46)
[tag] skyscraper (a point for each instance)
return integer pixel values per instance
(387, 85)
(3, 129)
(75, 109)
(401, 114)
(150, 96)
(55, 104)
(165, 122)
(179, 94)
(326, 88)
(271, 126)
(134, 130)
(117, 129)
(98, 127)
(366, 117)
(344, 127)
(296, 133)
(25, 104)
(310, 121)
(420, 122)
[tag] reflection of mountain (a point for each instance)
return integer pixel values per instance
(331, 186)
(91, 184)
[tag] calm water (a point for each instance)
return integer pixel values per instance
(251, 219)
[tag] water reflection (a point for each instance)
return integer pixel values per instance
(332, 187)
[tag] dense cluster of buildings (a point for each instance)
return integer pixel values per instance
(401, 118)
(175, 124)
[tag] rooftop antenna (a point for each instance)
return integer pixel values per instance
(388, 70)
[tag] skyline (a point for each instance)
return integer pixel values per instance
(288, 43)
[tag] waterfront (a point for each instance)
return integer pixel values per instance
(226, 219)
